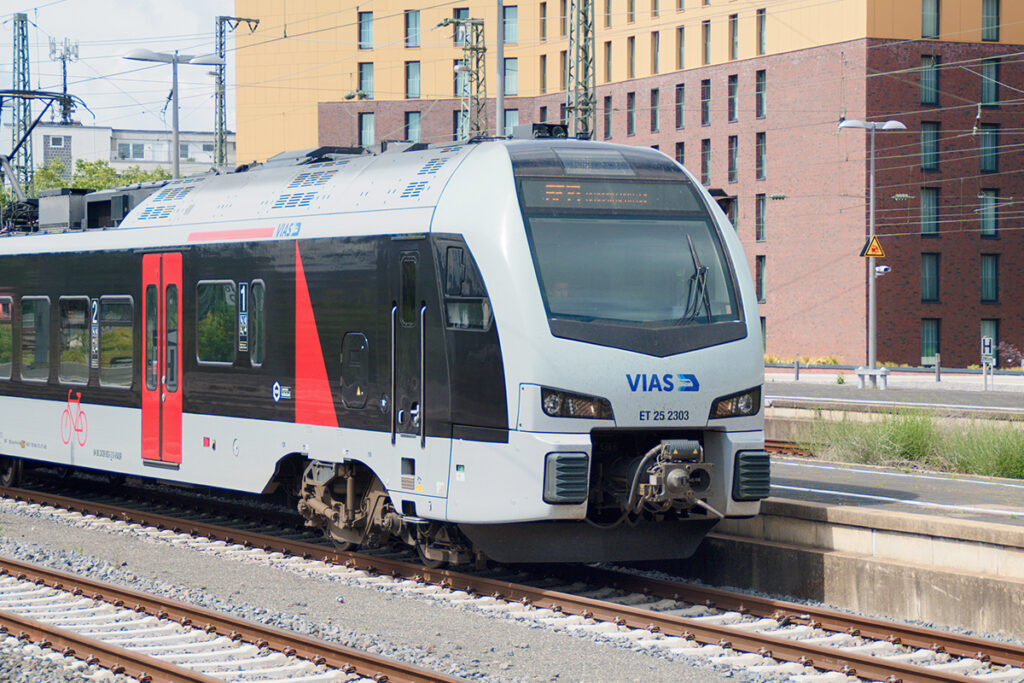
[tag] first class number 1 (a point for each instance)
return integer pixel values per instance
(663, 415)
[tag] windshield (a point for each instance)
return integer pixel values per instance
(632, 270)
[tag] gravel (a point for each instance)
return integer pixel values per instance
(472, 638)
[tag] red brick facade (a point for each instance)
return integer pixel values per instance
(815, 184)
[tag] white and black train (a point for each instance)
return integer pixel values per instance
(528, 350)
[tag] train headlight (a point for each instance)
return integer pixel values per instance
(565, 404)
(737, 405)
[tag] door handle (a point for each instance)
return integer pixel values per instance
(414, 411)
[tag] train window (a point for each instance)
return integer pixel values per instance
(409, 290)
(6, 338)
(35, 338)
(117, 343)
(74, 340)
(466, 304)
(152, 339)
(257, 328)
(171, 326)
(355, 369)
(216, 319)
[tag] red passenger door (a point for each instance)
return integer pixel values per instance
(161, 385)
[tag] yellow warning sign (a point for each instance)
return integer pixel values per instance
(873, 248)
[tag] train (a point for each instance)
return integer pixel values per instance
(526, 349)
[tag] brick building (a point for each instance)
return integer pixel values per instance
(748, 94)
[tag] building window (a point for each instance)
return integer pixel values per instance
(510, 17)
(989, 141)
(681, 152)
(412, 80)
(705, 48)
(764, 334)
(929, 341)
(990, 19)
(511, 120)
(930, 146)
(680, 106)
(990, 328)
(705, 161)
(761, 94)
(680, 48)
(630, 113)
(732, 95)
(990, 81)
(543, 115)
(543, 73)
(412, 28)
(630, 11)
(655, 110)
(762, 21)
(563, 17)
(989, 211)
(734, 36)
(761, 277)
(460, 14)
(511, 75)
(413, 133)
(366, 30)
(366, 129)
(461, 78)
(929, 79)
(607, 117)
(366, 79)
(543, 21)
(732, 209)
(631, 57)
(655, 8)
(655, 52)
(183, 150)
(705, 102)
(930, 211)
(734, 145)
(607, 14)
(989, 278)
(760, 205)
(929, 277)
(929, 18)
(760, 156)
(607, 61)
(563, 70)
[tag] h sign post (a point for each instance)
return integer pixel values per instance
(988, 359)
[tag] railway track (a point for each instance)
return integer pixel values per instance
(667, 614)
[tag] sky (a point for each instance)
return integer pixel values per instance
(118, 92)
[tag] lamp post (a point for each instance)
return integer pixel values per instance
(144, 55)
(872, 303)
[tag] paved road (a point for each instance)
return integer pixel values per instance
(924, 493)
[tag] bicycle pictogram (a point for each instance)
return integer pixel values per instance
(74, 420)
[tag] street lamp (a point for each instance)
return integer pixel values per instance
(144, 55)
(872, 274)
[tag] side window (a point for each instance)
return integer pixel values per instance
(6, 337)
(35, 338)
(408, 290)
(171, 336)
(215, 322)
(74, 340)
(152, 339)
(117, 343)
(257, 323)
(465, 300)
(355, 369)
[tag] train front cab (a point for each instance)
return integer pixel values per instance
(635, 417)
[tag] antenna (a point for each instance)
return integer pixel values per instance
(64, 52)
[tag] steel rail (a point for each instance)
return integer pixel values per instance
(119, 660)
(291, 644)
(742, 640)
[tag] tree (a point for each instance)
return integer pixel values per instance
(91, 175)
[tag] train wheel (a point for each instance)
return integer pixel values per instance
(10, 471)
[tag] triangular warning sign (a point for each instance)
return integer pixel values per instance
(872, 248)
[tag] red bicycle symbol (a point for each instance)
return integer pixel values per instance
(74, 420)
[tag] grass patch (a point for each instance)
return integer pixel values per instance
(918, 440)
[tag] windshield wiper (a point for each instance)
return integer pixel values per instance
(698, 296)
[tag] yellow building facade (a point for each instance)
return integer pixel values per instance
(310, 52)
